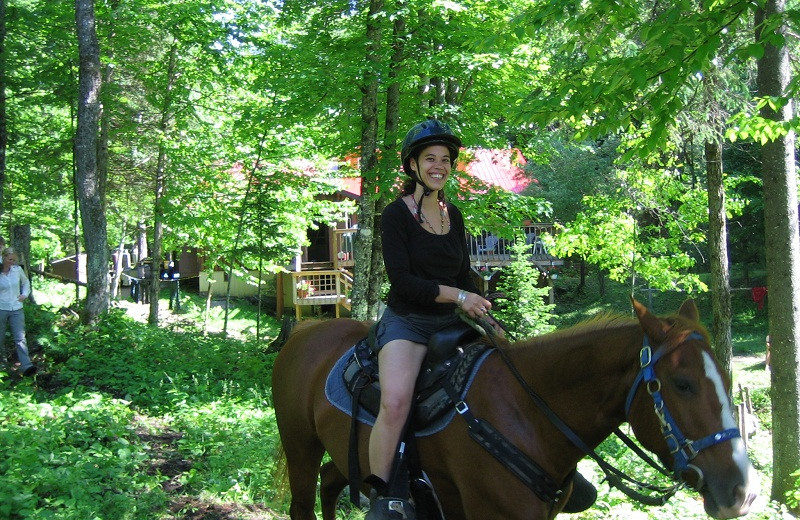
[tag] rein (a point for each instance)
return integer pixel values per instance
(682, 449)
(614, 476)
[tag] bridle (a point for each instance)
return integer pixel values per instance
(683, 450)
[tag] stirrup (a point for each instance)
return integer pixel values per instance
(391, 509)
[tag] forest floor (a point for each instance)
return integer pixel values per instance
(167, 459)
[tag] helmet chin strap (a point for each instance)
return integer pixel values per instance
(425, 192)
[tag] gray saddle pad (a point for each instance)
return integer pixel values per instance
(339, 396)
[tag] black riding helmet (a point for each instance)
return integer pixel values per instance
(424, 134)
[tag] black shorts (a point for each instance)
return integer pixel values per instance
(413, 327)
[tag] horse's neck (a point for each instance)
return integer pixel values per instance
(585, 376)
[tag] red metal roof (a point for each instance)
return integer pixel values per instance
(501, 168)
(352, 185)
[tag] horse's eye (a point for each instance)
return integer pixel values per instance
(683, 385)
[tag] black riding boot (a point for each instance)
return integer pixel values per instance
(391, 509)
(382, 507)
(583, 495)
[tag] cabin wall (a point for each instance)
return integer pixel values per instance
(240, 287)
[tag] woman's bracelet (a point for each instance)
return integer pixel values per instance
(462, 297)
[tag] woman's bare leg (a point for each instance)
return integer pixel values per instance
(399, 362)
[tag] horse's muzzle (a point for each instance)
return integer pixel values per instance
(731, 499)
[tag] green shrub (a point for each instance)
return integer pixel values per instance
(523, 308)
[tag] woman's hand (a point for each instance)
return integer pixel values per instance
(475, 305)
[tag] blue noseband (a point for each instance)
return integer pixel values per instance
(682, 449)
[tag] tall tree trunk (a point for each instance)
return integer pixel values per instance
(21, 241)
(90, 185)
(160, 186)
(390, 136)
(76, 225)
(362, 244)
(3, 127)
(439, 87)
(783, 259)
(718, 255)
(102, 141)
(102, 157)
(141, 241)
(717, 225)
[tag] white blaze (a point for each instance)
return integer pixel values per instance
(737, 444)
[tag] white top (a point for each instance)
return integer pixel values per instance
(12, 285)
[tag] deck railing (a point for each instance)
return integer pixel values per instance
(343, 246)
(485, 249)
(324, 287)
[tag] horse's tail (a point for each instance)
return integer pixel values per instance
(280, 476)
(287, 325)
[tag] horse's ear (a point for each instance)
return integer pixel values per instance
(640, 309)
(651, 325)
(689, 310)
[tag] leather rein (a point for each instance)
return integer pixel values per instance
(682, 448)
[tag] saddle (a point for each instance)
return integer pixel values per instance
(449, 363)
(452, 353)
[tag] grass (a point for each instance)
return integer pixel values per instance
(129, 421)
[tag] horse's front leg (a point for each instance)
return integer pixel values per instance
(449, 498)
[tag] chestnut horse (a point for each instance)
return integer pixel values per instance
(658, 374)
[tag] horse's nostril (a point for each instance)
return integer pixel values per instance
(749, 497)
(742, 497)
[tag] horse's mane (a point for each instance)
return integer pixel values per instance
(603, 321)
(289, 326)
(610, 321)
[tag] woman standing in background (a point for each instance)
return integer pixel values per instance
(15, 289)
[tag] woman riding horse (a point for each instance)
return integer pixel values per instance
(427, 263)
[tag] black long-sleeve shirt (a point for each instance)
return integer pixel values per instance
(418, 261)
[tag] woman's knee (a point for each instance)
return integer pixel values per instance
(395, 407)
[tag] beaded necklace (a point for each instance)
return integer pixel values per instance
(426, 220)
